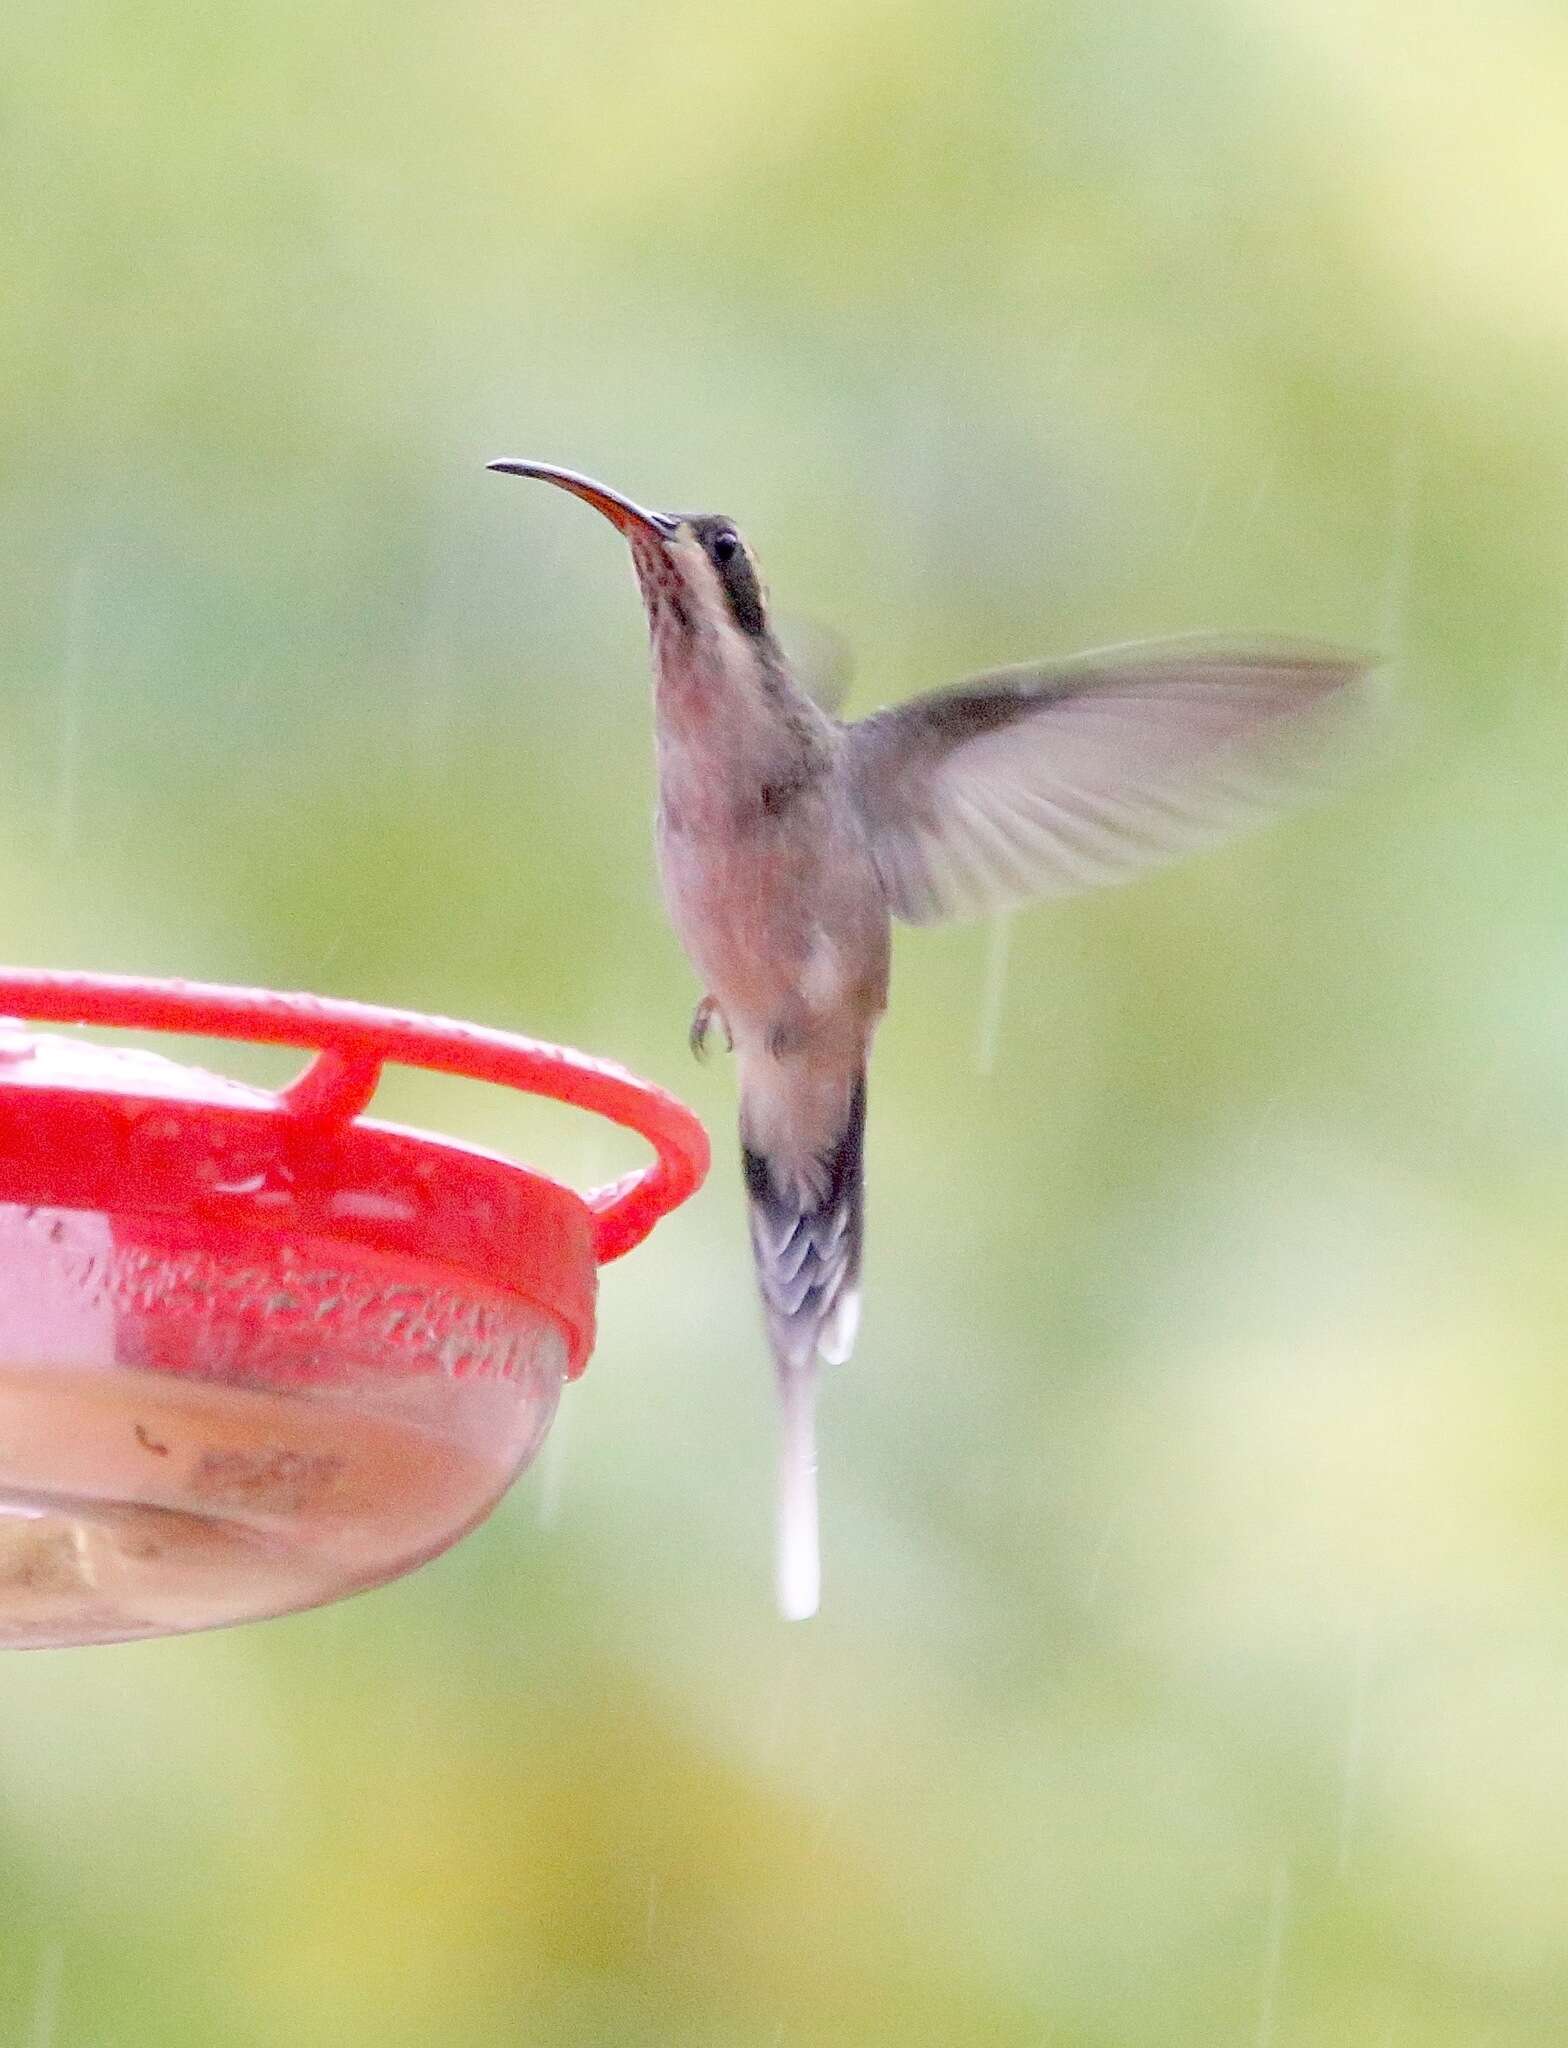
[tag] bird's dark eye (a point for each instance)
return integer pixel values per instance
(726, 545)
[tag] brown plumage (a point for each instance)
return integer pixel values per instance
(788, 842)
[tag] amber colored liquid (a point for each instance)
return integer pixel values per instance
(140, 1503)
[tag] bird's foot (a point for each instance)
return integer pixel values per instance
(790, 1030)
(785, 1040)
(702, 1023)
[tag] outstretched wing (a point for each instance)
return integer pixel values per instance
(1039, 780)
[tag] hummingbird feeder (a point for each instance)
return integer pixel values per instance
(258, 1351)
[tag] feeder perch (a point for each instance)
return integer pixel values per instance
(257, 1351)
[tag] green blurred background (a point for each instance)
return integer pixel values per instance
(1194, 1661)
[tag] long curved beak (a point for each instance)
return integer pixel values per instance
(621, 512)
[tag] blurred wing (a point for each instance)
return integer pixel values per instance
(1039, 780)
(820, 660)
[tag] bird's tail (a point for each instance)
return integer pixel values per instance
(802, 1140)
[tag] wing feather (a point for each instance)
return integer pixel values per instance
(1040, 780)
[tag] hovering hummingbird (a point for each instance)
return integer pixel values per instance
(788, 842)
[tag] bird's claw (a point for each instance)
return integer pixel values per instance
(702, 1023)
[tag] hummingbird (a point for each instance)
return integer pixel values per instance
(788, 843)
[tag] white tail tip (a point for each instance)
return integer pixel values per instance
(798, 1562)
(837, 1337)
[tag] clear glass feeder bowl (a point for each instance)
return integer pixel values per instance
(257, 1351)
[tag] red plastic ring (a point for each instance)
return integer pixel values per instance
(353, 1041)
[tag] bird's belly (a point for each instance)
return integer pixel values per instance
(761, 923)
(743, 924)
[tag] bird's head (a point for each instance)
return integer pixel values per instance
(699, 579)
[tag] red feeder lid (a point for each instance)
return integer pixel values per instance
(172, 1151)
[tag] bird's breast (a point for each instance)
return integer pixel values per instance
(775, 904)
